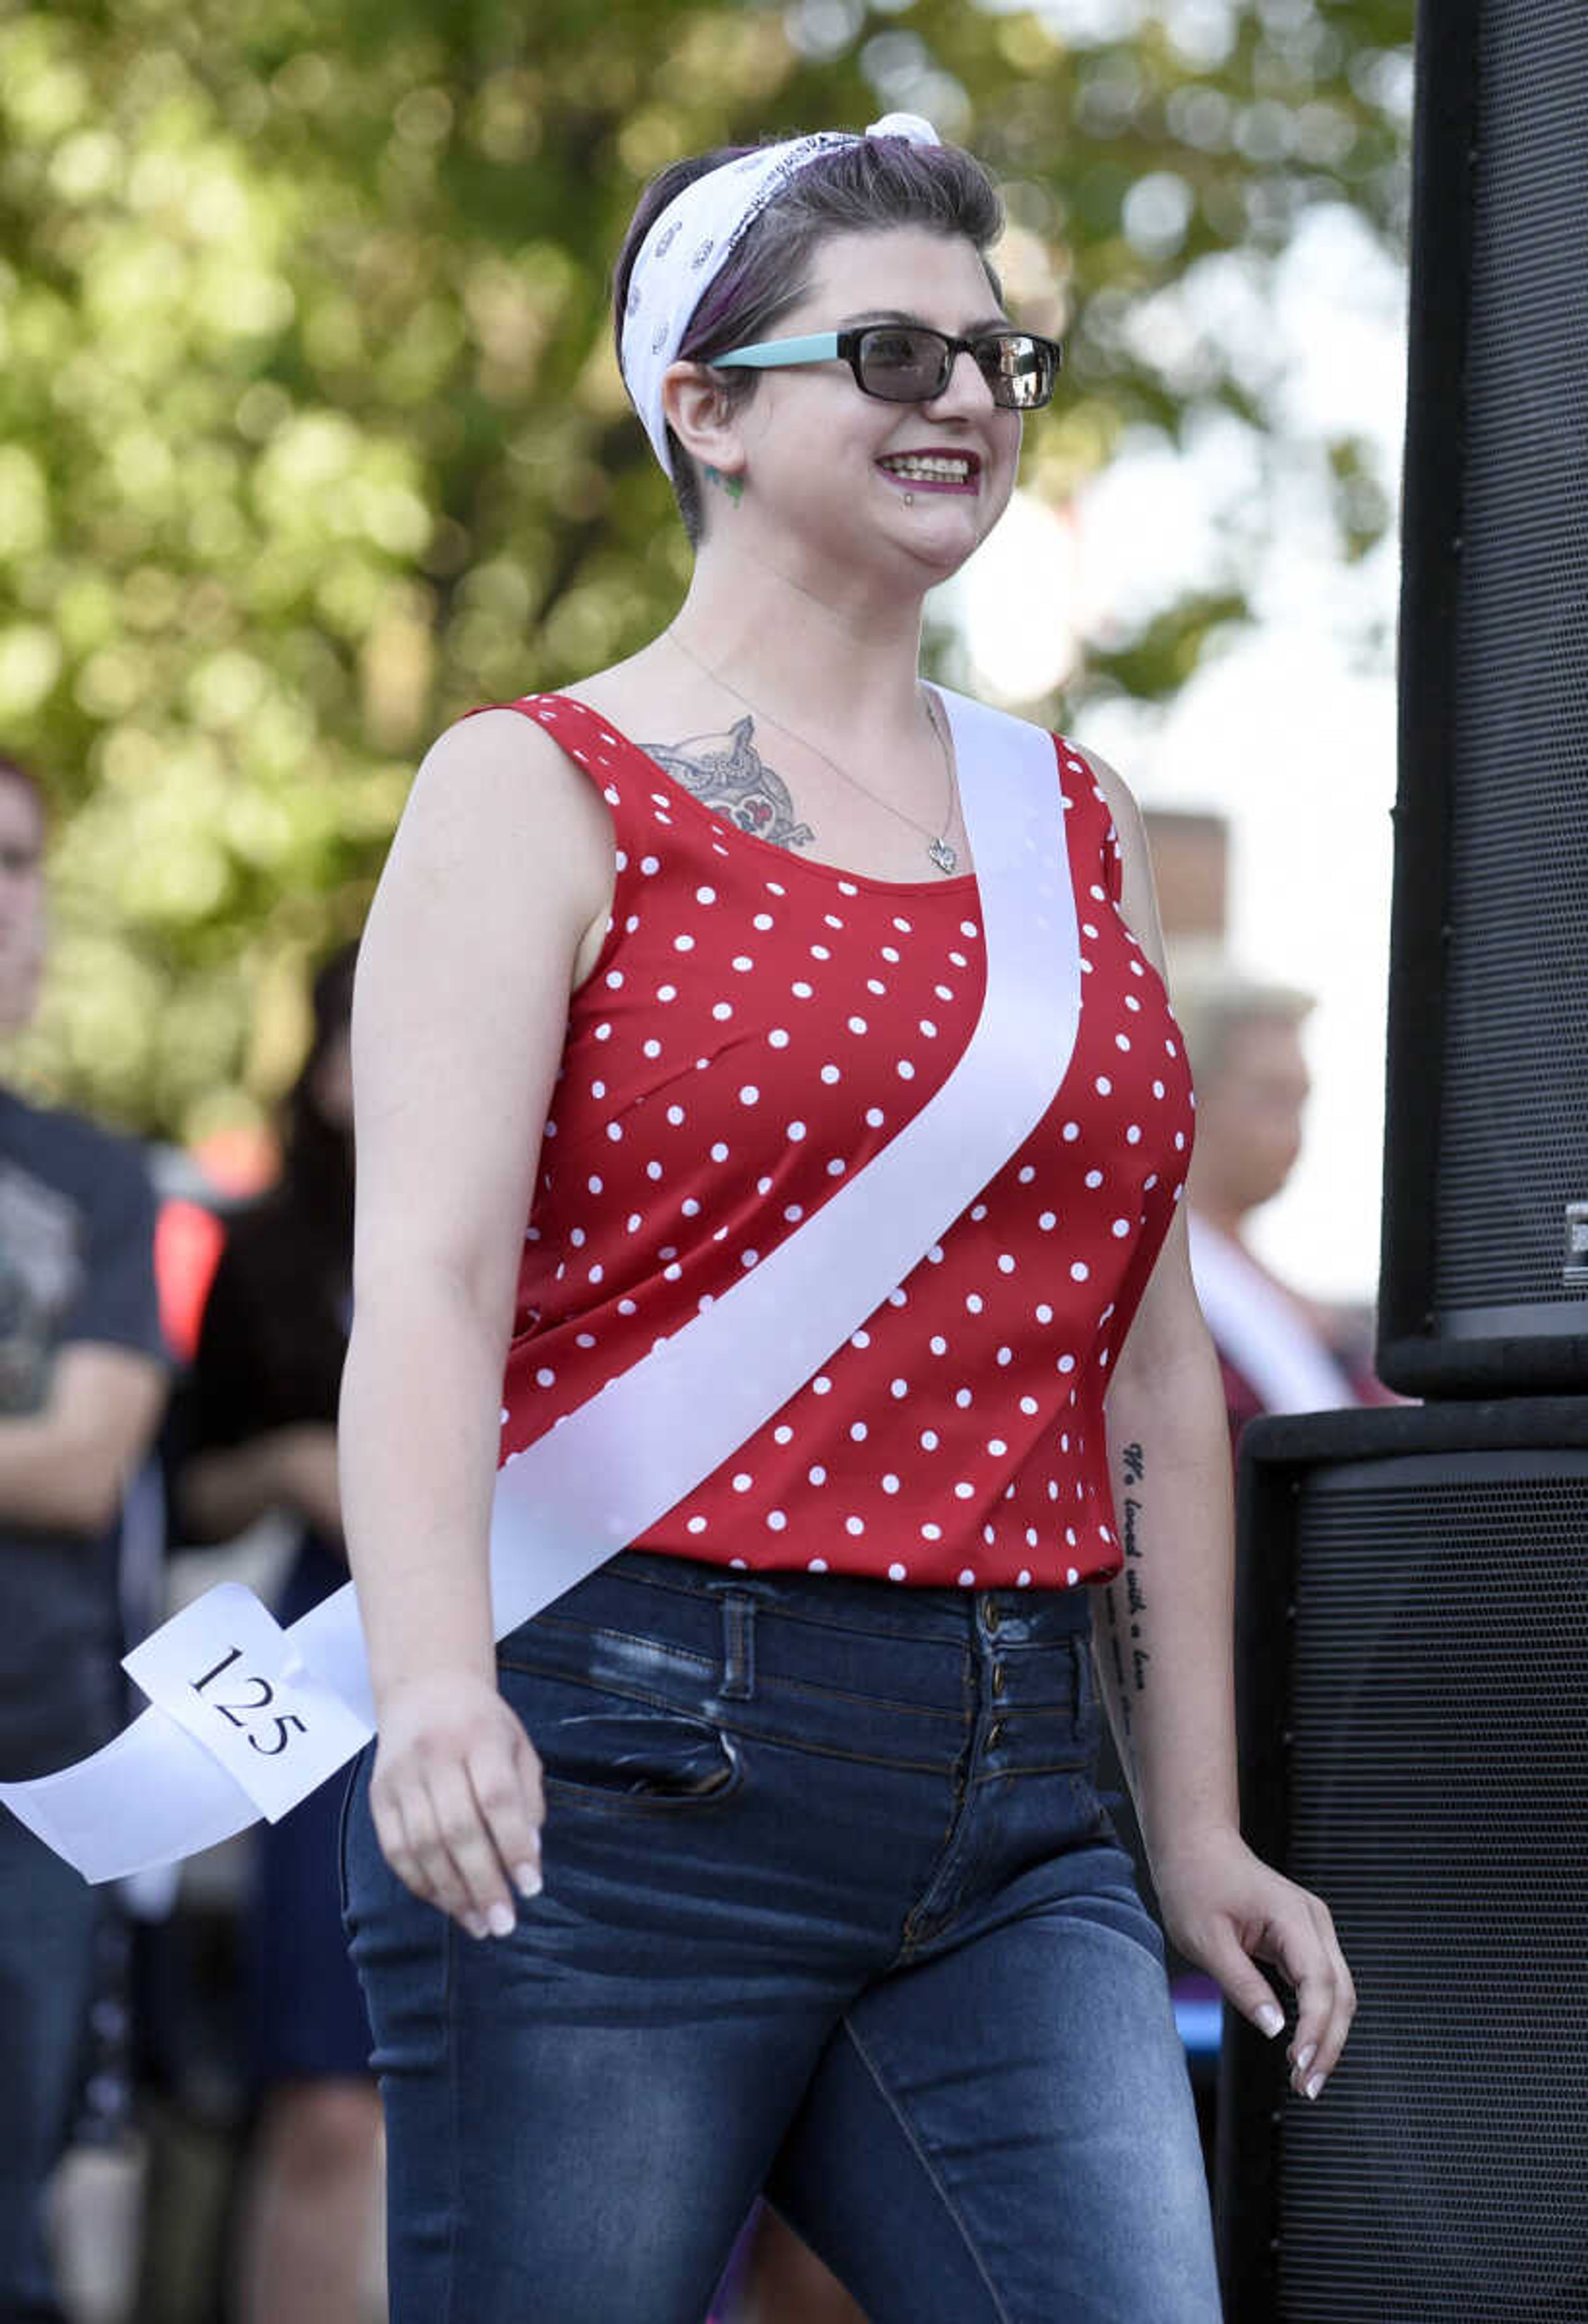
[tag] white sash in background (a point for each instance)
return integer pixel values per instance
(248, 1719)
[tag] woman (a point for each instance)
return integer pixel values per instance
(829, 1902)
(263, 1404)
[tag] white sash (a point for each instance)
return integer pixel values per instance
(286, 1708)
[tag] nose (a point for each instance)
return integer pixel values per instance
(965, 391)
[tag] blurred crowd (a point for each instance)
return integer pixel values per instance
(190, 2126)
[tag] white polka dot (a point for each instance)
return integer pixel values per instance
(653, 1048)
(650, 865)
(890, 952)
(667, 992)
(594, 1185)
(961, 1396)
(748, 1094)
(830, 1075)
(697, 1524)
(544, 1379)
(860, 1339)
(857, 1024)
(1079, 1270)
(743, 1481)
(1102, 1086)
(967, 1579)
(802, 992)
(777, 1039)
(690, 1207)
(997, 1447)
(1133, 1135)
(1027, 1175)
(820, 952)
(683, 944)
(796, 1130)
(896, 1572)
(836, 1166)
(898, 1388)
(821, 1385)
(719, 1152)
(929, 1440)
(776, 1520)
(1043, 1313)
(973, 1302)
(783, 1433)
(816, 1476)
(816, 1565)
(1121, 1227)
(874, 1117)
(1094, 1177)
(1022, 1580)
(931, 1533)
(705, 895)
(928, 1029)
(855, 1525)
(1047, 1222)
(964, 1491)
(1072, 1577)
(1005, 1356)
(722, 1011)
(749, 1257)
(890, 1483)
(742, 962)
(1072, 1131)
(858, 1431)
(1005, 1263)
(938, 1344)
(1122, 1040)
(1029, 1405)
(794, 1212)
(1067, 1364)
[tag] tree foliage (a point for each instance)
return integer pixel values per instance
(311, 434)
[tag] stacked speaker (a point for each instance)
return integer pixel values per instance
(1413, 1653)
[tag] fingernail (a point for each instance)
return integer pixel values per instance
(1314, 2087)
(1270, 2019)
(1305, 2057)
(502, 1920)
(527, 1880)
(476, 1924)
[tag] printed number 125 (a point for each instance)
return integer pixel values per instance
(242, 1709)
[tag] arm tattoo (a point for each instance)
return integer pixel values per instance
(1121, 1652)
(735, 783)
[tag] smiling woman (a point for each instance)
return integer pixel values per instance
(677, 958)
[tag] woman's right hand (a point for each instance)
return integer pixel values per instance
(457, 1800)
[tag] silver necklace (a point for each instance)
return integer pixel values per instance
(941, 852)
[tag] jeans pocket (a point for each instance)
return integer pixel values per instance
(618, 1752)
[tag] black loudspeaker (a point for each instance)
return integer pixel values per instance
(1413, 1675)
(1484, 1283)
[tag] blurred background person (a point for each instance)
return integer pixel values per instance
(82, 1387)
(260, 1439)
(1279, 1349)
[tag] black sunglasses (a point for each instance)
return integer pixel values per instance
(907, 363)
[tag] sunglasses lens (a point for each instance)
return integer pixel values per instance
(902, 365)
(1019, 370)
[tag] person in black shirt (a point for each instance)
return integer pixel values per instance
(82, 1385)
(264, 1406)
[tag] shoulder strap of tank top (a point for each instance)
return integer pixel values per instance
(604, 1474)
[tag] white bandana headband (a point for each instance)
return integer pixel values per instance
(688, 243)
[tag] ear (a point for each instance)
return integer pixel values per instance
(700, 414)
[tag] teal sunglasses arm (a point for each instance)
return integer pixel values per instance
(770, 354)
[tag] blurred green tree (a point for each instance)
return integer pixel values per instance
(311, 435)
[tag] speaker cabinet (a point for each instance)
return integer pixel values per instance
(1485, 1254)
(1412, 1679)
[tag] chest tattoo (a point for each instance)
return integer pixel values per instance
(732, 779)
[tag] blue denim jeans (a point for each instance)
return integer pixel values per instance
(49, 1919)
(830, 1908)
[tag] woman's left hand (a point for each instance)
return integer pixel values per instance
(1226, 1910)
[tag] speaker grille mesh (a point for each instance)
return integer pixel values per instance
(1515, 1090)
(1436, 1781)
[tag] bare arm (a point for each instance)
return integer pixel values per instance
(492, 905)
(1164, 1638)
(65, 1467)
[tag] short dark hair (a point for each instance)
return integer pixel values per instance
(875, 183)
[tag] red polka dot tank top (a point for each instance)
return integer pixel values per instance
(755, 1028)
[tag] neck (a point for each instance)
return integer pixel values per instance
(827, 666)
